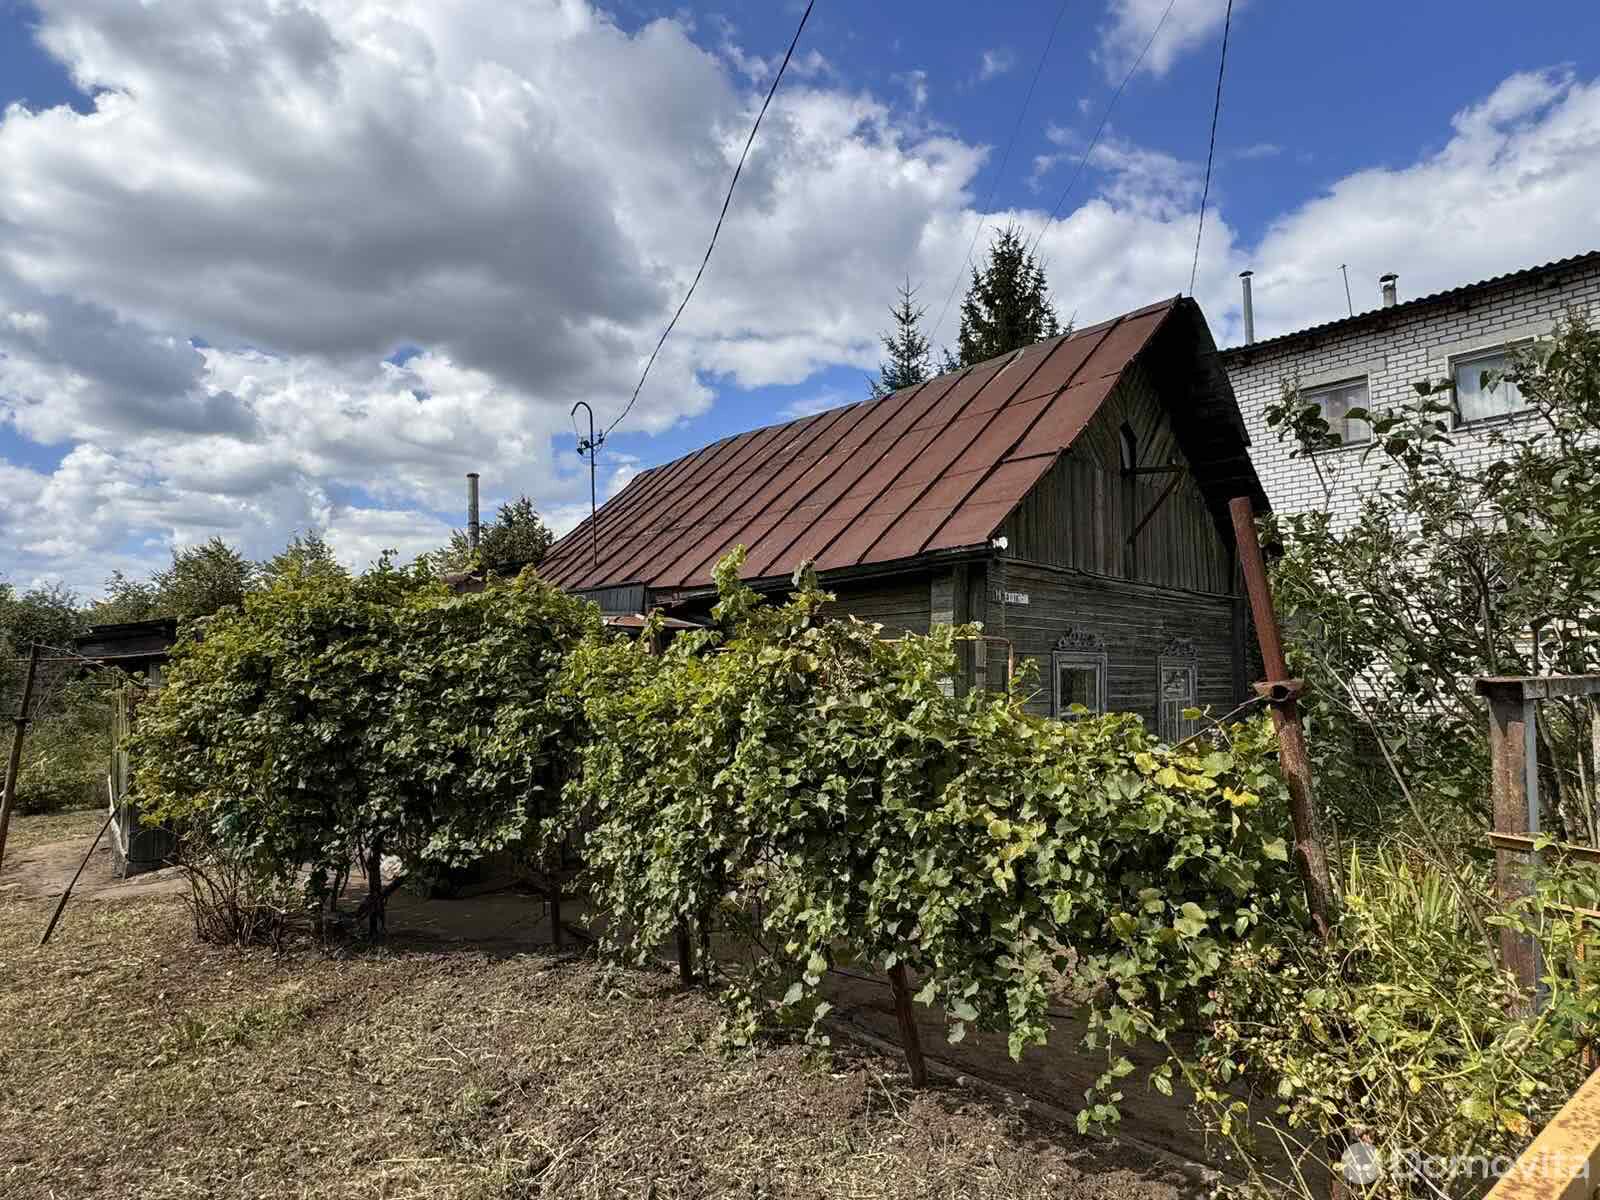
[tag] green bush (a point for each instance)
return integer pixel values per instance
(68, 749)
(829, 784)
(1405, 1034)
(332, 720)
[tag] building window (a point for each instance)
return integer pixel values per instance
(1078, 674)
(1335, 400)
(1482, 399)
(1130, 448)
(1176, 690)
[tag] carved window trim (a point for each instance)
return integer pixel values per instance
(1078, 649)
(1179, 660)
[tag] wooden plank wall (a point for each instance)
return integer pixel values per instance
(900, 605)
(1135, 621)
(1081, 513)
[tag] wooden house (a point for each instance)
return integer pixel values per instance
(1071, 496)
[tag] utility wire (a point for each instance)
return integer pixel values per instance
(1211, 152)
(726, 201)
(1105, 117)
(999, 173)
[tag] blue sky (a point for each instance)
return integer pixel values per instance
(265, 267)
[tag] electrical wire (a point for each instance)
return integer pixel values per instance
(1000, 171)
(1211, 151)
(1104, 118)
(726, 201)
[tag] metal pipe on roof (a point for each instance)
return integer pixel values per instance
(472, 511)
(1249, 309)
(1389, 283)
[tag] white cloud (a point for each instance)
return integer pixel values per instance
(995, 62)
(1514, 186)
(916, 86)
(1130, 23)
(201, 279)
(205, 281)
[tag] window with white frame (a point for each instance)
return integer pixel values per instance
(1482, 391)
(1078, 674)
(1336, 400)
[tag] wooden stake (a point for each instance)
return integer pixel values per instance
(66, 895)
(8, 799)
(909, 1037)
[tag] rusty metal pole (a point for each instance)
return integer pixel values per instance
(1311, 855)
(8, 799)
(907, 1017)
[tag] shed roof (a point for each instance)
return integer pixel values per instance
(935, 467)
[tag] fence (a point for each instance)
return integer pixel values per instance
(1563, 1163)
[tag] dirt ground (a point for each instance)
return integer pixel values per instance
(137, 1062)
(42, 852)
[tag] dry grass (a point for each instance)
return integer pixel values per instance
(134, 1062)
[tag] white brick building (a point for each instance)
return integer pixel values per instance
(1371, 360)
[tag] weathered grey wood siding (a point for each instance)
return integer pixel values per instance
(1082, 513)
(900, 605)
(1136, 622)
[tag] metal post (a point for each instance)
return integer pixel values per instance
(474, 529)
(590, 446)
(1249, 308)
(8, 799)
(1311, 855)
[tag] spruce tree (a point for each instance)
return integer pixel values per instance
(516, 537)
(1007, 305)
(910, 353)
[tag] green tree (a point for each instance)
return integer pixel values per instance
(517, 537)
(910, 353)
(203, 579)
(45, 613)
(1007, 305)
(305, 555)
(1453, 569)
(124, 599)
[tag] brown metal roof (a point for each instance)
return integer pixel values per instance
(934, 467)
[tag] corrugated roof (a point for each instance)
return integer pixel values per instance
(1449, 294)
(934, 467)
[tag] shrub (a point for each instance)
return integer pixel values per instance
(332, 720)
(831, 786)
(1453, 569)
(1405, 1034)
(67, 749)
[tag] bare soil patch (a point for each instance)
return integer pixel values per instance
(139, 1063)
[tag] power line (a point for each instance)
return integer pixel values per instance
(994, 181)
(1104, 117)
(726, 201)
(1211, 152)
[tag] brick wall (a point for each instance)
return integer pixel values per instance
(1395, 351)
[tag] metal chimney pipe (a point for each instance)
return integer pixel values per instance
(1249, 309)
(1390, 291)
(472, 511)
